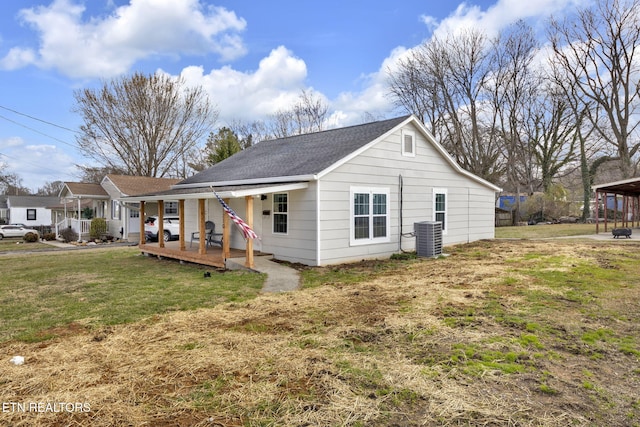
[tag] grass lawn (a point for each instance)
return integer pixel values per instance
(498, 333)
(545, 231)
(42, 294)
(17, 244)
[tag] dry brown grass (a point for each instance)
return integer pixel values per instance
(392, 350)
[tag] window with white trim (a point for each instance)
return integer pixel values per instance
(408, 143)
(280, 213)
(369, 215)
(440, 207)
(115, 209)
(171, 208)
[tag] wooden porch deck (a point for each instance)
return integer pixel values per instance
(213, 257)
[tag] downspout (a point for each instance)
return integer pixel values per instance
(400, 212)
(318, 234)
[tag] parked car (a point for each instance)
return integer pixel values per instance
(16, 230)
(171, 228)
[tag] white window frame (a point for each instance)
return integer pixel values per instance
(437, 191)
(171, 208)
(370, 240)
(406, 133)
(285, 214)
(115, 209)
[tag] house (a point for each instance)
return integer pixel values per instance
(105, 200)
(335, 196)
(4, 210)
(124, 218)
(33, 211)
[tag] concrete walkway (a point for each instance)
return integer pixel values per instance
(280, 278)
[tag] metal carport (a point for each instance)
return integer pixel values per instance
(629, 192)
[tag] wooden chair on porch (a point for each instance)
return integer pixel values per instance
(211, 236)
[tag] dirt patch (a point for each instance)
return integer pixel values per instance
(498, 333)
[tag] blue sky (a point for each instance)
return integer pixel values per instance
(252, 57)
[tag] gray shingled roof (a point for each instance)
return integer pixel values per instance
(294, 156)
(32, 201)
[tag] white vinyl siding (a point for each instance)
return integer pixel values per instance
(469, 204)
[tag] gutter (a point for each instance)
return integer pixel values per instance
(271, 180)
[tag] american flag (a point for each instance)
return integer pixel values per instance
(247, 231)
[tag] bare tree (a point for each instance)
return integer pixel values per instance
(598, 50)
(308, 114)
(514, 87)
(94, 175)
(444, 83)
(11, 183)
(144, 125)
(552, 129)
(50, 188)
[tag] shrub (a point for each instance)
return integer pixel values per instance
(30, 237)
(98, 228)
(49, 236)
(69, 235)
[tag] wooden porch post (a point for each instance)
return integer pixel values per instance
(202, 249)
(226, 235)
(161, 223)
(605, 209)
(181, 219)
(615, 210)
(143, 238)
(597, 212)
(249, 251)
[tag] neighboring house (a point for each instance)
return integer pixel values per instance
(4, 210)
(105, 201)
(340, 195)
(124, 218)
(32, 211)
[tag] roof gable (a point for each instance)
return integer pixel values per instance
(295, 156)
(83, 189)
(137, 185)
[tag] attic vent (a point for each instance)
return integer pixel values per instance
(428, 238)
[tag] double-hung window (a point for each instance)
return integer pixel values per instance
(31, 214)
(369, 215)
(440, 207)
(171, 208)
(280, 213)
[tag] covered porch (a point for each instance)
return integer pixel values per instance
(198, 214)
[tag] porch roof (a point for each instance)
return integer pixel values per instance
(229, 191)
(627, 187)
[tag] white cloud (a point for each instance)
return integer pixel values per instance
(109, 46)
(13, 141)
(275, 85)
(501, 14)
(36, 164)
